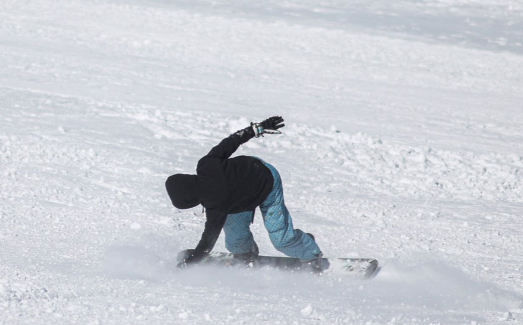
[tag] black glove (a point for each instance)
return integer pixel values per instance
(269, 126)
(191, 257)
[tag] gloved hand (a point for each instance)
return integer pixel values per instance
(269, 126)
(191, 257)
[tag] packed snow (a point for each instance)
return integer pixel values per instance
(403, 142)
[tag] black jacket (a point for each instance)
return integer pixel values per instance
(229, 185)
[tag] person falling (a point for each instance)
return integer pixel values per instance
(230, 189)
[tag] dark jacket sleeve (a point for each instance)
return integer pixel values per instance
(213, 227)
(230, 144)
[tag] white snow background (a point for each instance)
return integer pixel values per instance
(403, 142)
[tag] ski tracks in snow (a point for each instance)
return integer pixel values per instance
(379, 199)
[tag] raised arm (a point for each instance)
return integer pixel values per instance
(230, 144)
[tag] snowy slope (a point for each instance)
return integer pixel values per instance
(403, 143)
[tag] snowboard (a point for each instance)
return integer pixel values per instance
(347, 267)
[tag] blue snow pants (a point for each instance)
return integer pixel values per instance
(291, 242)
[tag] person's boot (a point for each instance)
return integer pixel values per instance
(249, 257)
(315, 265)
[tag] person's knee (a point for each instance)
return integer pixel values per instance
(239, 245)
(237, 241)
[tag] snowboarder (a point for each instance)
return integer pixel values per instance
(230, 189)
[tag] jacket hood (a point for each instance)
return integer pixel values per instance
(183, 190)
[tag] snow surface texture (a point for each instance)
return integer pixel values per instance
(403, 143)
